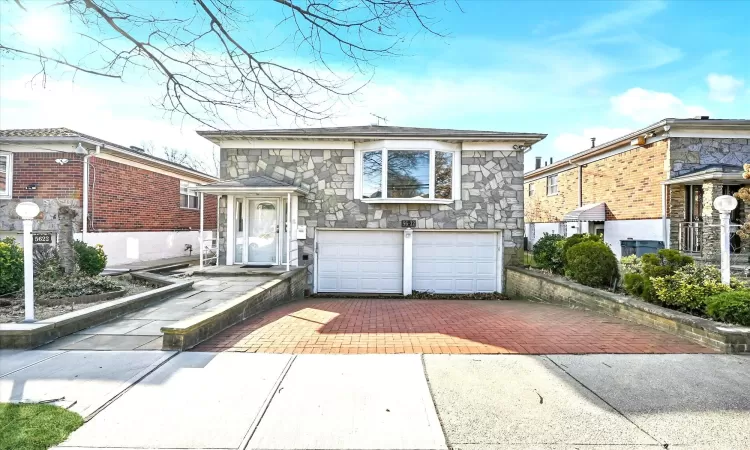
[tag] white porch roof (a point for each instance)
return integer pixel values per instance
(595, 212)
(256, 184)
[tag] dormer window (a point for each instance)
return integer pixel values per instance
(407, 172)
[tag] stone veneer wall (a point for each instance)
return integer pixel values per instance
(688, 154)
(491, 194)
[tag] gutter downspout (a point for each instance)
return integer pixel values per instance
(664, 227)
(85, 227)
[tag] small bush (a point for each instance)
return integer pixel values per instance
(630, 264)
(74, 286)
(637, 277)
(731, 307)
(592, 263)
(91, 260)
(689, 287)
(11, 266)
(577, 239)
(548, 253)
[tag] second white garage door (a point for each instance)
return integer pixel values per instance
(361, 261)
(454, 262)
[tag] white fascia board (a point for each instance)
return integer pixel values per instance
(725, 133)
(505, 146)
(39, 148)
(408, 144)
(563, 167)
(286, 144)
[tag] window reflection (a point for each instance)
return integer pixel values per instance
(408, 174)
(372, 173)
(443, 174)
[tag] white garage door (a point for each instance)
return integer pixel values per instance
(360, 261)
(448, 262)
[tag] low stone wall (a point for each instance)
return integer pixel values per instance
(543, 287)
(31, 335)
(190, 332)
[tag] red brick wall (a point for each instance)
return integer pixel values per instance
(127, 198)
(53, 180)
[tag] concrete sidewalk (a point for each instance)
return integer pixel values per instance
(263, 401)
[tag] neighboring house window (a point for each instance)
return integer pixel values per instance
(188, 199)
(6, 175)
(531, 189)
(552, 185)
(407, 174)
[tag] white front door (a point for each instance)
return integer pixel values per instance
(256, 223)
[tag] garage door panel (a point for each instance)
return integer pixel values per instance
(360, 261)
(454, 262)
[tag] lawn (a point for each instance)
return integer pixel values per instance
(35, 427)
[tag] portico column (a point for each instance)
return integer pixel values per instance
(711, 249)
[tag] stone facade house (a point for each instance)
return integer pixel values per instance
(655, 184)
(376, 209)
(136, 205)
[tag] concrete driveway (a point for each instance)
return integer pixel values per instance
(243, 401)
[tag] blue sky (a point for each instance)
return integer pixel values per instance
(574, 70)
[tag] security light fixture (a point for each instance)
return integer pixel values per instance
(62, 161)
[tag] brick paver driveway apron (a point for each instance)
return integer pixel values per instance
(440, 326)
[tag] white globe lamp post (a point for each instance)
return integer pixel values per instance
(27, 211)
(725, 204)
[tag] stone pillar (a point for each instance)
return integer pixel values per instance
(711, 223)
(675, 213)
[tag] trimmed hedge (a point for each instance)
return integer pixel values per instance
(731, 307)
(689, 287)
(548, 253)
(591, 263)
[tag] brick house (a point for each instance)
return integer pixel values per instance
(136, 205)
(376, 209)
(657, 184)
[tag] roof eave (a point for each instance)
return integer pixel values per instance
(526, 137)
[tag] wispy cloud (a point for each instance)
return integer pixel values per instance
(724, 88)
(634, 12)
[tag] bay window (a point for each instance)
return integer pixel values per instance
(6, 175)
(408, 175)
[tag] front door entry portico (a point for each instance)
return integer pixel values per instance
(256, 223)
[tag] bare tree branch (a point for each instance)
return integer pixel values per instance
(208, 65)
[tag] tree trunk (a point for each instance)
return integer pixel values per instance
(65, 243)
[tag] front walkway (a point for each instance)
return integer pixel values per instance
(141, 330)
(440, 326)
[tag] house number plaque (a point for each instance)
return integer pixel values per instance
(408, 224)
(42, 238)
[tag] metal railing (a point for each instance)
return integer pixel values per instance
(691, 238)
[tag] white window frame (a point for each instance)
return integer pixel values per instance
(189, 194)
(552, 189)
(425, 146)
(532, 189)
(8, 193)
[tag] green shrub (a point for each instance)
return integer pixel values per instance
(577, 239)
(592, 263)
(45, 257)
(548, 253)
(630, 264)
(637, 277)
(75, 286)
(11, 266)
(731, 307)
(91, 260)
(689, 287)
